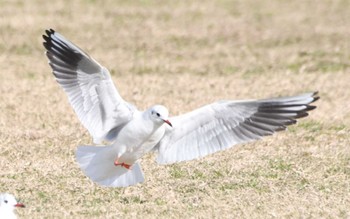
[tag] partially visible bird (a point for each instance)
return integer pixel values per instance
(8, 204)
(133, 133)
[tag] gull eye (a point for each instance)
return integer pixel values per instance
(6, 201)
(158, 114)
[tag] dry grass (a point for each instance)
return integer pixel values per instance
(182, 54)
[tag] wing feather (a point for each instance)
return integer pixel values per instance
(89, 87)
(223, 124)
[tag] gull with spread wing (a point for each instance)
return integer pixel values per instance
(132, 133)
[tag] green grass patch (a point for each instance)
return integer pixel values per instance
(280, 165)
(176, 172)
(309, 125)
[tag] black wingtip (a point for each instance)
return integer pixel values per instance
(48, 32)
(315, 99)
(310, 107)
(46, 40)
(301, 114)
(315, 96)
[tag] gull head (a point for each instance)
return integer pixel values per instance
(160, 114)
(8, 202)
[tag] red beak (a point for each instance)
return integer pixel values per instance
(20, 205)
(167, 122)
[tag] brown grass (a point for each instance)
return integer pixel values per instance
(182, 54)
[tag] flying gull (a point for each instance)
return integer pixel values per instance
(131, 133)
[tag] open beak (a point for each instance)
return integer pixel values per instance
(167, 122)
(20, 205)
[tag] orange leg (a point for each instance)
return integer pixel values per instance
(127, 166)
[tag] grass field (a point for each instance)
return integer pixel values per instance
(182, 54)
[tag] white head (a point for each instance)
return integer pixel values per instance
(8, 204)
(160, 114)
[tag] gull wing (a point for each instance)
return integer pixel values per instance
(89, 88)
(221, 125)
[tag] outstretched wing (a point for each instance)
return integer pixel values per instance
(223, 124)
(89, 87)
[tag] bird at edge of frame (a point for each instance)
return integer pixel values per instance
(8, 203)
(131, 133)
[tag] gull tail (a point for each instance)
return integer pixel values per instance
(98, 164)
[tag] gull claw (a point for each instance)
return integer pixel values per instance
(127, 166)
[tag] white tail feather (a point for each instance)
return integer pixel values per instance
(98, 164)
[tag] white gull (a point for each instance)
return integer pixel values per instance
(132, 133)
(8, 204)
